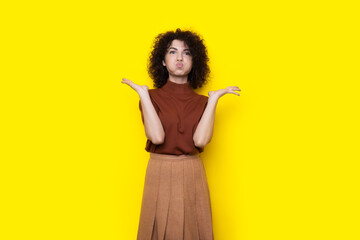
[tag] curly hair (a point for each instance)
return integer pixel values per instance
(200, 69)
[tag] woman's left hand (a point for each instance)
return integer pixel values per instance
(221, 92)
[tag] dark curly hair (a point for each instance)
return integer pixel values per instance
(200, 69)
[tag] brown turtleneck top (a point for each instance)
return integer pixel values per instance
(179, 109)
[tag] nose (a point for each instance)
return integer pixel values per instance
(179, 56)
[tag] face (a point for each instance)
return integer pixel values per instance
(178, 59)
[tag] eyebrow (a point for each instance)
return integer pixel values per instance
(186, 49)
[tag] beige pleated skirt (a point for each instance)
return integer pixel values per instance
(176, 199)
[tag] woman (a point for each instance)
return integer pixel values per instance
(178, 125)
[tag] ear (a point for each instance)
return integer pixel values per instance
(163, 62)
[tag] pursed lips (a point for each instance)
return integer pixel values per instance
(179, 65)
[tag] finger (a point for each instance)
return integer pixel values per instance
(235, 93)
(127, 81)
(234, 88)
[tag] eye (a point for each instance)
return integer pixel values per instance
(188, 53)
(172, 52)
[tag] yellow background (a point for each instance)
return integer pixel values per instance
(283, 161)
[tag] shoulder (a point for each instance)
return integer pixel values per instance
(154, 92)
(201, 100)
(155, 95)
(202, 97)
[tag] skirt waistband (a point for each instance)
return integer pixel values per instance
(173, 157)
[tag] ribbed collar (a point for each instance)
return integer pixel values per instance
(177, 88)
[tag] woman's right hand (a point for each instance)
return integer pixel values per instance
(138, 88)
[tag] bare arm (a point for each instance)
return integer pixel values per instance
(204, 130)
(154, 130)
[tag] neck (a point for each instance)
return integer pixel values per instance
(177, 88)
(178, 79)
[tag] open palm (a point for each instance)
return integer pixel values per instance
(136, 87)
(221, 92)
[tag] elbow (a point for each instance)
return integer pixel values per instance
(158, 140)
(200, 144)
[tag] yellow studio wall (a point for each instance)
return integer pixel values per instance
(283, 161)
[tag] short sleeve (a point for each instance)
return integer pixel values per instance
(206, 98)
(205, 101)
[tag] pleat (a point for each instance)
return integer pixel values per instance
(175, 223)
(206, 187)
(155, 235)
(163, 198)
(203, 207)
(148, 205)
(191, 231)
(176, 200)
